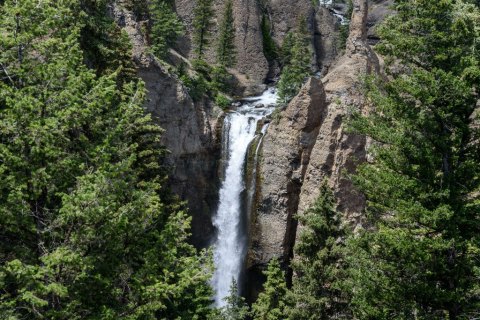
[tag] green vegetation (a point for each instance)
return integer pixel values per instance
(269, 46)
(196, 85)
(236, 308)
(165, 27)
(287, 48)
(417, 257)
(317, 291)
(296, 56)
(220, 79)
(211, 81)
(226, 40)
(88, 231)
(202, 23)
(272, 303)
(222, 101)
(105, 46)
(422, 189)
(208, 80)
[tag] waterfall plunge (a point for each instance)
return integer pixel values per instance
(230, 246)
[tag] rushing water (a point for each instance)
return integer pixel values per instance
(240, 128)
(329, 4)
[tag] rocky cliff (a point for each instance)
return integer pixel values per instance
(189, 131)
(252, 68)
(307, 145)
(326, 39)
(284, 15)
(310, 144)
(285, 155)
(336, 152)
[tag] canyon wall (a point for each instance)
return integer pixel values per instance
(251, 65)
(337, 152)
(311, 144)
(310, 132)
(326, 39)
(190, 132)
(285, 15)
(193, 129)
(285, 154)
(252, 68)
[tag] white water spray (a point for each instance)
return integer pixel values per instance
(230, 245)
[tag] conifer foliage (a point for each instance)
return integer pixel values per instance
(319, 263)
(272, 302)
(202, 22)
(165, 27)
(296, 56)
(87, 230)
(226, 41)
(105, 46)
(236, 307)
(269, 45)
(420, 258)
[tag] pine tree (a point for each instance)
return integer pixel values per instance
(296, 55)
(269, 46)
(105, 46)
(202, 23)
(165, 27)
(319, 264)
(236, 307)
(226, 40)
(272, 302)
(88, 231)
(287, 48)
(419, 259)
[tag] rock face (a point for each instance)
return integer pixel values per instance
(336, 152)
(189, 132)
(194, 152)
(285, 156)
(310, 144)
(252, 67)
(326, 38)
(284, 15)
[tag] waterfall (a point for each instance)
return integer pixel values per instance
(230, 247)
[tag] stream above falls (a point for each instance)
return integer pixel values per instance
(337, 13)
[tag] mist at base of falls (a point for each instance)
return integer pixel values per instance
(240, 129)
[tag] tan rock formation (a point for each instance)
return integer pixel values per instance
(337, 153)
(311, 144)
(284, 159)
(284, 16)
(326, 39)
